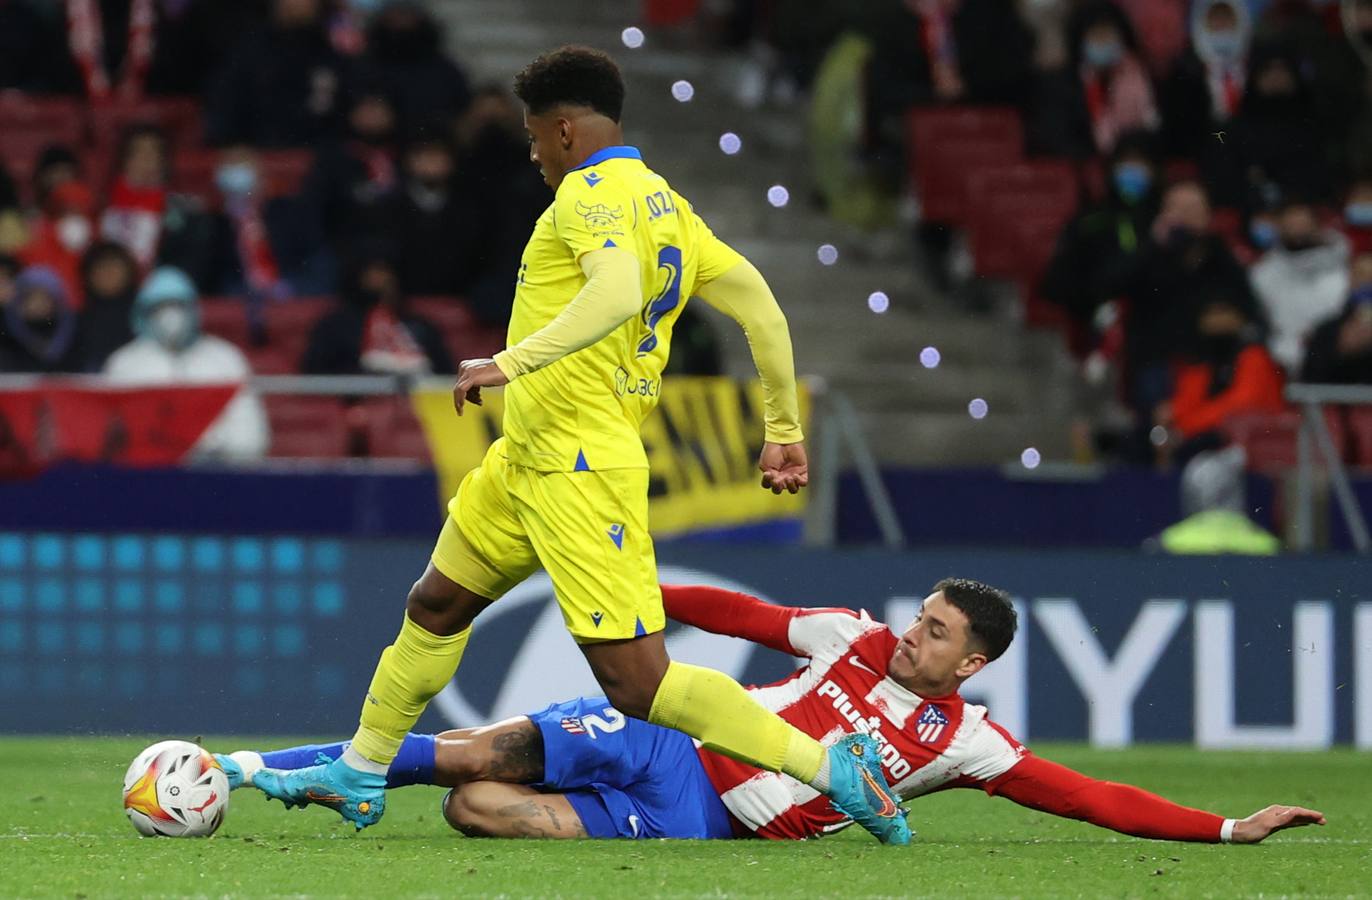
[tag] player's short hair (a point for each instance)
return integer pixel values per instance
(572, 75)
(990, 614)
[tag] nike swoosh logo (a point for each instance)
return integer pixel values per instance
(325, 799)
(888, 809)
(633, 825)
(862, 665)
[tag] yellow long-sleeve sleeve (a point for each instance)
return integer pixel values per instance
(742, 294)
(612, 294)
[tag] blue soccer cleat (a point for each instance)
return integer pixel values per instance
(232, 770)
(359, 797)
(858, 789)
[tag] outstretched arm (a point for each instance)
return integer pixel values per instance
(742, 294)
(1052, 788)
(730, 613)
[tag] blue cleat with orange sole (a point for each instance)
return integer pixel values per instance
(858, 789)
(359, 797)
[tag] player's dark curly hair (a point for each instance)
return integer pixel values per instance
(578, 76)
(989, 612)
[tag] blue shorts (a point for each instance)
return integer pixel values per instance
(626, 778)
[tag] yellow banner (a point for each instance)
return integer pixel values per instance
(702, 441)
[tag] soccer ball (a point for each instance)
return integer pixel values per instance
(175, 789)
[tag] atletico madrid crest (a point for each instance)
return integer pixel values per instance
(930, 724)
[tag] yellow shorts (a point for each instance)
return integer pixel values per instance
(589, 530)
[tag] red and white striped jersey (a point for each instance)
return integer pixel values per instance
(927, 743)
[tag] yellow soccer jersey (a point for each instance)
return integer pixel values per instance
(583, 412)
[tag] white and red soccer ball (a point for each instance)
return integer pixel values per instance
(175, 789)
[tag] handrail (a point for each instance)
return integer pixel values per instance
(1314, 438)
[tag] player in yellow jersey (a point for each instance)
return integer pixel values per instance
(603, 279)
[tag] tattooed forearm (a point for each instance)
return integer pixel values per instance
(517, 757)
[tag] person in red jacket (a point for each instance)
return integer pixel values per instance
(1231, 372)
(583, 769)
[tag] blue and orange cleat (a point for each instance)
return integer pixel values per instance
(359, 797)
(857, 788)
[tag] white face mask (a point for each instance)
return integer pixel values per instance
(74, 232)
(171, 325)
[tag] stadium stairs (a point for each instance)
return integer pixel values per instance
(911, 415)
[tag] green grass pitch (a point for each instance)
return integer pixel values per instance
(62, 834)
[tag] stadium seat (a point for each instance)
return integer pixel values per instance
(178, 117)
(392, 429)
(947, 144)
(283, 171)
(1015, 215)
(307, 427)
(226, 317)
(1359, 444)
(1270, 438)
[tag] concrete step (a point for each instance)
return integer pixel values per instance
(951, 439)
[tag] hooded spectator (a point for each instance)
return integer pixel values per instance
(1105, 91)
(138, 197)
(282, 85)
(371, 331)
(1276, 138)
(171, 350)
(435, 220)
(109, 277)
(1230, 372)
(1340, 350)
(61, 236)
(1301, 281)
(405, 58)
(1185, 264)
(352, 181)
(1205, 88)
(40, 326)
(1097, 248)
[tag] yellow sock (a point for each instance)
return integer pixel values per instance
(410, 673)
(715, 710)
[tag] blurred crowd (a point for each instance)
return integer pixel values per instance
(1223, 244)
(333, 148)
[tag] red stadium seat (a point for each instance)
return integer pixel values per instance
(1270, 438)
(309, 427)
(947, 144)
(392, 429)
(225, 317)
(1359, 421)
(1015, 215)
(178, 117)
(282, 171)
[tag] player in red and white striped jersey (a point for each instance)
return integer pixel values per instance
(580, 769)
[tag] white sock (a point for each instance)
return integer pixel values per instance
(354, 760)
(248, 761)
(821, 780)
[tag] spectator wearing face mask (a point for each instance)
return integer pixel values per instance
(1205, 87)
(171, 350)
(1105, 91)
(138, 197)
(371, 331)
(1340, 349)
(435, 220)
(1229, 372)
(281, 85)
(1357, 212)
(61, 235)
(1301, 281)
(40, 326)
(1096, 250)
(352, 181)
(1184, 264)
(109, 277)
(57, 165)
(1276, 138)
(405, 58)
